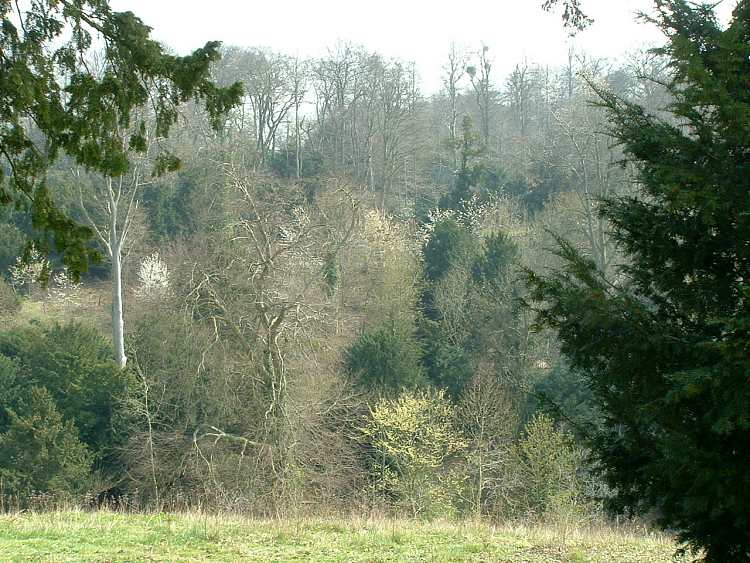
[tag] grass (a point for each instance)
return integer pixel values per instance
(90, 303)
(112, 536)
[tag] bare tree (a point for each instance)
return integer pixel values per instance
(111, 215)
(453, 72)
(483, 91)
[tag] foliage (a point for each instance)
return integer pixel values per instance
(72, 363)
(414, 438)
(573, 15)
(385, 359)
(192, 201)
(331, 273)
(29, 271)
(544, 472)
(46, 78)
(153, 275)
(447, 364)
(9, 301)
(565, 395)
(478, 178)
(665, 352)
(449, 243)
(63, 289)
(12, 243)
(469, 306)
(41, 451)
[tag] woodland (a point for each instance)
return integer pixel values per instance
(242, 280)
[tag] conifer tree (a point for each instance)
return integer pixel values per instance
(666, 351)
(53, 102)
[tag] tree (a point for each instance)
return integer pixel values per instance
(386, 359)
(665, 352)
(573, 16)
(41, 451)
(413, 439)
(52, 103)
(453, 71)
(74, 364)
(117, 200)
(485, 95)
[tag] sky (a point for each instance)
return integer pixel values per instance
(412, 30)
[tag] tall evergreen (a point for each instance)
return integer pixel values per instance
(666, 350)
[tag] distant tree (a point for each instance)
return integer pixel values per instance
(449, 242)
(53, 103)
(666, 351)
(386, 360)
(453, 72)
(480, 76)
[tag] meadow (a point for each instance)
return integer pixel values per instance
(113, 536)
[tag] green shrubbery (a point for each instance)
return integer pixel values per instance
(9, 300)
(544, 473)
(59, 391)
(42, 452)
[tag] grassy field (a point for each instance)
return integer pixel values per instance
(109, 536)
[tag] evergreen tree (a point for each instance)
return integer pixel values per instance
(385, 360)
(665, 352)
(46, 79)
(41, 451)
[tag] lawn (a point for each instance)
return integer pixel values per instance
(110, 536)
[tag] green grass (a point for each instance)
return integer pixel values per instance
(109, 536)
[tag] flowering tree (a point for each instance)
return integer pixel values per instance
(27, 273)
(153, 275)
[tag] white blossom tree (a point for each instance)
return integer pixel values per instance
(153, 276)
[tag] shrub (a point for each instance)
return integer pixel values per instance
(385, 359)
(74, 364)
(40, 451)
(544, 472)
(12, 242)
(9, 301)
(414, 441)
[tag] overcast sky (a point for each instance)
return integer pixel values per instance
(412, 30)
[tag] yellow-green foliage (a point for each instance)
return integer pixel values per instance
(415, 439)
(545, 469)
(393, 272)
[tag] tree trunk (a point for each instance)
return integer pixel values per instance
(118, 324)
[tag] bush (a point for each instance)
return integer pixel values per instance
(386, 360)
(40, 451)
(9, 300)
(544, 474)
(414, 441)
(74, 364)
(12, 243)
(449, 243)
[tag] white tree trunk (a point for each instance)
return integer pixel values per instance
(118, 323)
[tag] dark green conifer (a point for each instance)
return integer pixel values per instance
(667, 351)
